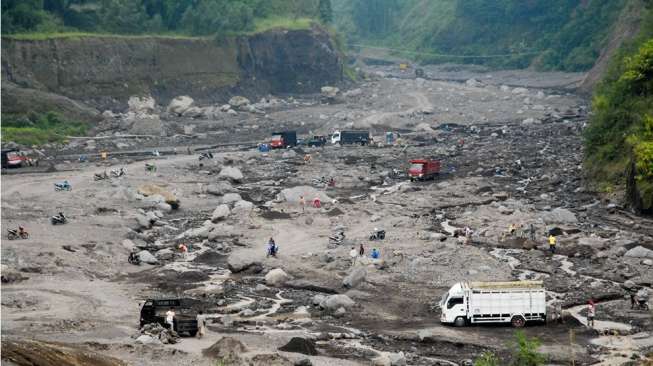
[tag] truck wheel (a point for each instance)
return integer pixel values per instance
(518, 321)
(459, 322)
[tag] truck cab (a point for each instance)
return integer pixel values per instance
(281, 140)
(154, 311)
(453, 304)
(423, 169)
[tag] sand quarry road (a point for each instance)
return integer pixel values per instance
(81, 290)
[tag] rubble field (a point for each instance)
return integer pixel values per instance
(511, 151)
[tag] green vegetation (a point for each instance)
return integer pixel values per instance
(41, 19)
(487, 359)
(523, 353)
(619, 138)
(40, 129)
(555, 34)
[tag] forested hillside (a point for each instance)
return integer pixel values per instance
(553, 34)
(619, 138)
(185, 17)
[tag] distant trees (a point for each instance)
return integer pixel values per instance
(196, 17)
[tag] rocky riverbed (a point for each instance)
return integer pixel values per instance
(511, 154)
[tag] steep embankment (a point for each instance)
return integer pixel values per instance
(104, 72)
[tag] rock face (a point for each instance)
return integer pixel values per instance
(205, 70)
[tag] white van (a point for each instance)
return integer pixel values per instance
(494, 302)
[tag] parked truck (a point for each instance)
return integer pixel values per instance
(185, 321)
(284, 139)
(515, 302)
(351, 137)
(423, 169)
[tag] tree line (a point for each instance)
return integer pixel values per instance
(193, 17)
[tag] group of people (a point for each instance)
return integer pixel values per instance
(360, 253)
(201, 321)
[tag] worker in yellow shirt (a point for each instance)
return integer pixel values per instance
(552, 244)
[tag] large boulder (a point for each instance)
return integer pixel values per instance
(355, 277)
(221, 212)
(142, 105)
(180, 104)
(230, 198)
(559, 216)
(329, 91)
(333, 302)
(153, 189)
(165, 254)
(292, 195)
(147, 257)
(238, 101)
(237, 265)
(300, 345)
(276, 277)
(639, 252)
(243, 207)
(220, 188)
(232, 173)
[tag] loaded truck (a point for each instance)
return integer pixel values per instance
(423, 169)
(351, 137)
(515, 302)
(284, 139)
(185, 321)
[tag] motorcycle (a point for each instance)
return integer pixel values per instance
(134, 259)
(206, 156)
(19, 233)
(58, 219)
(337, 238)
(117, 173)
(63, 186)
(377, 234)
(100, 176)
(150, 167)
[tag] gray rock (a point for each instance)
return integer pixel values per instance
(333, 302)
(247, 313)
(230, 198)
(261, 287)
(232, 173)
(147, 257)
(238, 101)
(219, 188)
(164, 254)
(355, 277)
(559, 215)
(128, 244)
(397, 359)
(243, 206)
(180, 104)
(289, 154)
(639, 252)
(146, 339)
(237, 265)
(317, 299)
(276, 277)
(227, 321)
(340, 312)
(221, 212)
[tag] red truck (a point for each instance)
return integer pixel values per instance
(423, 169)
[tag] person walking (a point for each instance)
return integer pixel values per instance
(552, 244)
(591, 313)
(361, 251)
(170, 318)
(201, 324)
(354, 255)
(302, 203)
(317, 203)
(532, 232)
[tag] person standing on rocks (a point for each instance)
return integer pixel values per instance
(317, 203)
(361, 251)
(591, 312)
(170, 318)
(354, 255)
(552, 244)
(532, 232)
(201, 325)
(302, 203)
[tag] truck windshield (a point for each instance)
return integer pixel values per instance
(444, 299)
(416, 166)
(454, 301)
(277, 137)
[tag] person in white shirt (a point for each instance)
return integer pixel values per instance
(201, 324)
(170, 318)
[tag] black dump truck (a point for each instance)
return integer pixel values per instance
(185, 322)
(351, 137)
(316, 141)
(282, 140)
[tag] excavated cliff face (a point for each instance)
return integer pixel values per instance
(104, 72)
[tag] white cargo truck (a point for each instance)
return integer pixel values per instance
(494, 302)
